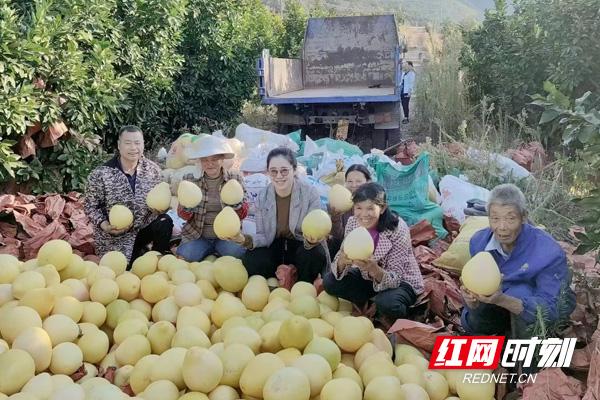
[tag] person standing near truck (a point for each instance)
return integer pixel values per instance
(406, 88)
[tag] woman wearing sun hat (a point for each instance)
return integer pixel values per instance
(198, 236)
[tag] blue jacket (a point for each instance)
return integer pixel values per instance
(535, 272)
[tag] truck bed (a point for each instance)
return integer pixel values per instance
(360, 94)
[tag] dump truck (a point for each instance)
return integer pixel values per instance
(347, 80)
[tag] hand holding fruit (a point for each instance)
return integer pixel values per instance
(371, 267)
(112, 230)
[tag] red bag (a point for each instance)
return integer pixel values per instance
(287, 275)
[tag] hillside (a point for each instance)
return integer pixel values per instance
(414, 11)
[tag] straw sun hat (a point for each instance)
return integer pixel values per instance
(208, 146)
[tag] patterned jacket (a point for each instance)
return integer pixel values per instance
(107, 185)
(394, 254)
(192, 229)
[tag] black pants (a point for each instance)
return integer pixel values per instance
(158, 233)
(334, 245)
(265, 260)
(392, 303)
(405, 100)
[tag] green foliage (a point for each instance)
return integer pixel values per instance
(221, 41)
(509, 56)
(294, 23)
(579, 125)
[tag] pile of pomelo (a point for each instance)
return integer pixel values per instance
(171, 330)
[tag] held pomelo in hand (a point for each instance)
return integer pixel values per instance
(232, 192)
(481, 274)
(316, 224)
(120, 216)
(358, 245)
(340, 198)
(189, 194)
(227, 224)
(159, 198)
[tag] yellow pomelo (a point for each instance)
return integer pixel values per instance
(160, 336)
(190, 336)
(122, 375)
(343, 371)
(114, 310)
(230, 274)
(174, 359)
(225, 307)
(15, 320)
(287, 384)
(381, 341)
(132, 349)
(306, 306)
(416, 392)
(227, 224)
(301, 288)
(79, 288)
(316, 224)
(68, 306)
(208, 290)
(16, 369)
(321, 328)
(56, 252)
(204, 270)
(129, 327)
(94, 346)
(193, 316)
(189, 194)
(255, 295)
(281, 293)
(435, 385)
(6, 294)
(316, 368)
(328, 300)
(66, 359)
(332, 317)
(325, 348)
(289, 355)
(99, 272)
(378, 364)
(160, 390)
(202, 370)
(269, 335)
(273, 282)
(93, 312)
(104, 291)
(114, 260)
(340, 198)
(166, 262)
(129, 286)
(140, 376)
(341, 388)
(181, 275)
(243, 335)
(418, 361)
(77, 269)
(10, 268)
(37, 343)
(50, 274)
(60, 329)
(351, 333)
(159, 198)
(199, 396)
(476, 391)
(187, 294)
(120, 216)
(402, 351)
(144, 265)
(408, 373)
(384, 388)
(40, 387)
(366, 350)
(358, 245)
(26, 281)
(255, 321)
(165, 310)
(41, 300)
(221, 392)
(256, 373)
(154, 288)
(232, 192)
(142, 306)
(481, 274)
(234, 359)
(295, 332)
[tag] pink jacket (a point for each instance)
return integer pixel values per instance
(394, 254)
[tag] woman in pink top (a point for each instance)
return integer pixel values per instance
(391, 278)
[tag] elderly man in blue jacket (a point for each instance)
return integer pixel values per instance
(533, 266)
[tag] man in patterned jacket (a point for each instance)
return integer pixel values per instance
(126, 179)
